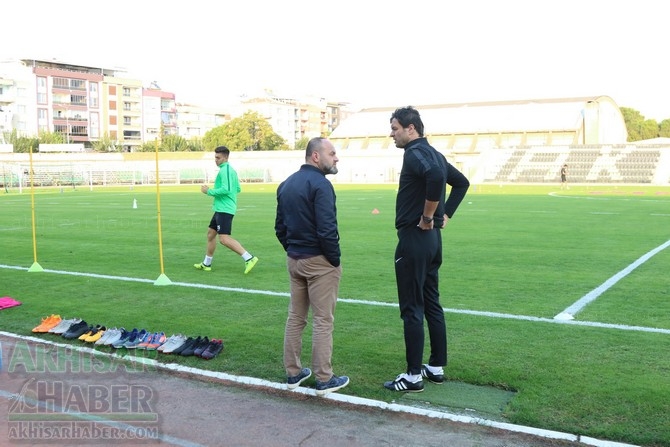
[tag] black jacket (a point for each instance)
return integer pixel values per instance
(306, 221)
(424, 175)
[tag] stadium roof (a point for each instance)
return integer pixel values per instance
(532, 115)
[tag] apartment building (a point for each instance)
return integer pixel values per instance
(83, 103)
(122, 123)
(160, 113)
(195, 121)
(296, 118)
(53, 96)
(87, 104)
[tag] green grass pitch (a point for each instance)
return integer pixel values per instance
(514, 257)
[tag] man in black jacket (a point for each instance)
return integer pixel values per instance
(421, 213)
(306, 226)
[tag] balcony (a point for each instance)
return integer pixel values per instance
(68, 119)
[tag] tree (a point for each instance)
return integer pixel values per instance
(51, 138)
(250, 132)
(173, 143)
(105, 144)
(195, 145)
(301, 144)
(664, 128)
(21, 144)
(638, 127)
(649, 129)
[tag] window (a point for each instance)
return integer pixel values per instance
(78, 84)
(78, 100)
(112, 105)
(42, 116)
(42, 120)
(61, 99)
(126, 106)
(80, 130)
(126, 91)
(95, 131)
(93, 94)
(127, 121)
(41, 90)
(62, 83)
(112, 90)
(112, 120)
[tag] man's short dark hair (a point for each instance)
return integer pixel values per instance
(314, 145)
(222, 150)
(406, 116)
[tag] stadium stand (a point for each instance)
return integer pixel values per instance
(494, 142)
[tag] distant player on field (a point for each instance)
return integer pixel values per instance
(225, 190)
(564, 177)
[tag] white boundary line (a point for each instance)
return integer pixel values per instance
(559, 195)
(359, 401)
(570, 312)
(578, 305)
(364, 302)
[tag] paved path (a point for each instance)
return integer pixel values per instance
(156, 407)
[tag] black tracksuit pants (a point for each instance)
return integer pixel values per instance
(418, 258)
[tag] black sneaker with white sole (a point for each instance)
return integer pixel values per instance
(435, 378)
(401, 383)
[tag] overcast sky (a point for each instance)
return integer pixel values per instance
(365, 52)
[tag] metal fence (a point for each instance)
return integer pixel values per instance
(532, 164)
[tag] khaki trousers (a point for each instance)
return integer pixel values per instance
(314, 284)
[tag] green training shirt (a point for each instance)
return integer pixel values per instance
(226, 188)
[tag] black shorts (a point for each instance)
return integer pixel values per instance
(222, 223)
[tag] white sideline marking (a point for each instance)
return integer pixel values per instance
(577, 307)
(364, 302)
(360, 401)
(559, 195)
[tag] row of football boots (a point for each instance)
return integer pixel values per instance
(48, 323)
(198, 346)
(136, 339)
(68, 328)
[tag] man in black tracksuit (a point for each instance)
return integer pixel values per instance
(421, 213)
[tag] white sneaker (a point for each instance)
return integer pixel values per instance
(63, 326)
(172, 343)
(106, 336)
(114, 337)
